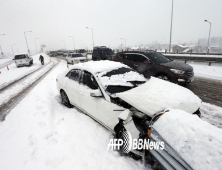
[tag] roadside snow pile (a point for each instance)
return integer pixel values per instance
(156, 95)
(42, 134)
(4, 60)
(203, 70)
(198, 142)
(211, 114)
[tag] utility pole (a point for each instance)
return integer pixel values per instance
(171, 27)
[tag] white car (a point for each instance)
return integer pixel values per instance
(74, 58)
(119, 98)
(23, 60)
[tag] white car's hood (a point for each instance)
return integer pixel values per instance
(156, 95)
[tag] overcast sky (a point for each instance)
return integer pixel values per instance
(138, 21)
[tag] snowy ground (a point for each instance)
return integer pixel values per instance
(14, 73)
(40, 133)
(6, 95)
(203, 70)
(4, 60)
(211, 114)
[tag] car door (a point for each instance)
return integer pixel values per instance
(142, 64)
(97, 107)
(72, 80)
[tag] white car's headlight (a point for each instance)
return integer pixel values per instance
(177, 71)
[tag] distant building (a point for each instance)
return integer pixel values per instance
(179, 48)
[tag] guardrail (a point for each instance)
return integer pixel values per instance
(199, 58)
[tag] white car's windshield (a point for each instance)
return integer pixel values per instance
(120, 80)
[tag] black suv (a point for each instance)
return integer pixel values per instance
(102, 53)
(151, 63)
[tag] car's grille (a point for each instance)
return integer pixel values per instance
(189, 73)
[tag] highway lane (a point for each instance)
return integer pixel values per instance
(209, 90)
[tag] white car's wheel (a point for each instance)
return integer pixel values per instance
(65, 99)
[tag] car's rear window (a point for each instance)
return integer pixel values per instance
(77, 55)
(20, 56)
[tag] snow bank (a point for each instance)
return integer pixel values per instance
(156, 95)
(198, 142)
(203, 70)
(211, 114)
(4, 60)
(41, 133)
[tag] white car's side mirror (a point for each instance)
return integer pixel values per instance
(96, 93)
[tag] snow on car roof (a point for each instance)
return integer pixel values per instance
(99, 66)
(196, 141)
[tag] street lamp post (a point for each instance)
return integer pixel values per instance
(12, 49)
(1, 48)
(208, 37)
(36, 45)
(64, 44)
(125, 42)
(73, 41)
(26, 41)
(92, 35)
(171, 27)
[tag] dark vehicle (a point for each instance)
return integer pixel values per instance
(102, 53)
(82, 51)
(151, 63)
(52, 54)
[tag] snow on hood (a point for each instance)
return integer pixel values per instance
(156, 95)
(196, 141)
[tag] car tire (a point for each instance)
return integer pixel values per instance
(65, 99)
(72, 62)
(164, 77)
(119, 129)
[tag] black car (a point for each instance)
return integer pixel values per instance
(151, 63)
(102, 53)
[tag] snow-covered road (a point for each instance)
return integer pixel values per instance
(41, 133)
(14, 73)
